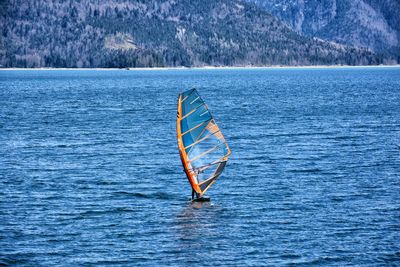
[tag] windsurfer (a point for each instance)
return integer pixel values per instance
(195, 193)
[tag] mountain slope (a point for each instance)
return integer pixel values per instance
(122, 33)
(373, 24)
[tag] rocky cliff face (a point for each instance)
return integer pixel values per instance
(373, 24)
(122, 33)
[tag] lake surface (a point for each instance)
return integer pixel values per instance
(90, 172)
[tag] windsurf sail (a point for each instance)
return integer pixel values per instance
(202, 147)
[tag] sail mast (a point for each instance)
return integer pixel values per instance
(182, 151)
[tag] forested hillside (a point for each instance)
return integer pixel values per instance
(373, 24)
(122, 33)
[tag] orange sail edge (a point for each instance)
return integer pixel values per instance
(182, 151)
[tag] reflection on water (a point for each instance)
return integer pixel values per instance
(197, 230)
(196, 220)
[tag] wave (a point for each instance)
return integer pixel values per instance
(156, 195)
(313, 170)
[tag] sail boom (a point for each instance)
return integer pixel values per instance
(218, 161)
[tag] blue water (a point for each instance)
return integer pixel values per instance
(90, 172)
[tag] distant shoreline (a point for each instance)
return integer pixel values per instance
(214, 68)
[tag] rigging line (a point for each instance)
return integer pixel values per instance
(205, 128)
(201, 115)
(194, 110)
(202, 139)
(195, 127)
(205, 153)
(187, 95)
(184, 98)
(202, 131)
(194, 100)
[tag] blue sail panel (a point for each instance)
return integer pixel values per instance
(205, 147)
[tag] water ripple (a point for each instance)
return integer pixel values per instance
(90, 173)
